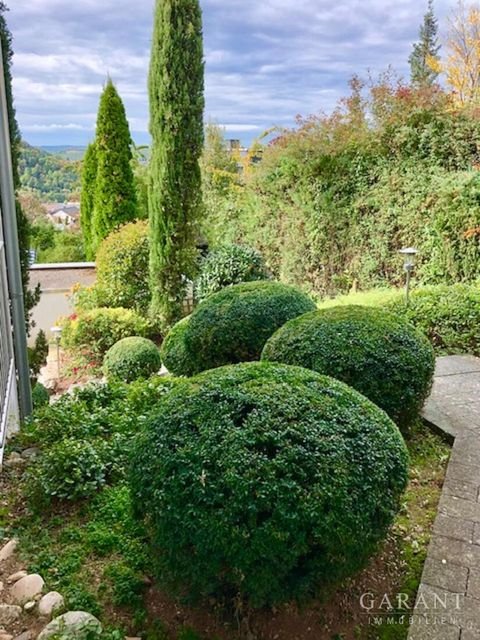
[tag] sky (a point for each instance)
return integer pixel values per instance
(266, 60)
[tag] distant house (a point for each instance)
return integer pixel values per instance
(64, 216)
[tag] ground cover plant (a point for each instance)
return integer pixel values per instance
(374, 351)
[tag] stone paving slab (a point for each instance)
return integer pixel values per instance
(448, 601)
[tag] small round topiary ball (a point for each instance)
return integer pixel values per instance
(132, 358)
(174, 352)
(266, 481)
(233, 325)
(380, 355)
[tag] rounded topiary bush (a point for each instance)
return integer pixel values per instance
(174, 352)
(132, 358)
(380, 355)
(230, 264)
(233, 325)
(266, 481)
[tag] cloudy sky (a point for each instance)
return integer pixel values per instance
(266, 60)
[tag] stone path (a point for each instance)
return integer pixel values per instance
(448, 602)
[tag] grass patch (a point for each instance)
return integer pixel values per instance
(370, 298)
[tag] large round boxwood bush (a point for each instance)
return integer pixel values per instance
(132, 358)
(266, 481)
(174, 352)
(233, 325)
(380, 355)
(230, 264)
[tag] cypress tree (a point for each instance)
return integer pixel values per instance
(176, 85)
(30, 297)
(89, 178)
(115, 201)
(422, 74)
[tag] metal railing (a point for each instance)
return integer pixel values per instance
(7, 361)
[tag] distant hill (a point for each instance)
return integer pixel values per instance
(65, 152)
(51, 177)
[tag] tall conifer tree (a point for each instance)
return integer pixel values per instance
(176, 89)
(425, 51)
(115, 200)
(30, 297)
(87, 198)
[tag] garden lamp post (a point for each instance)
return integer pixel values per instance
(57, 336)
(409, 255)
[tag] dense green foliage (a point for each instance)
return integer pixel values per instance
(40, 396)
(230, 264)
(174, 352)
(67, 246)
(132, 358)
(52, 178)
(233, 325)
(69, 470)
(87, 198)
(333, 201)
(234, 477)
(115, 200)
(176, 85)
(448, 315)
(122, 268)
(96, 554)
(84, 438)
(30, 298)
(425, 50)
(37, 355)
(99, 329)
(381, 356)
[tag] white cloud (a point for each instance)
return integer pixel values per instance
(266, 60)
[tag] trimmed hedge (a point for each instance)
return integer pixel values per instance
(99, 329)
(132, 358)
(227, 265)
(266, 482)
(233, 325)
(448, 314)
(174, 352)
(383, 357)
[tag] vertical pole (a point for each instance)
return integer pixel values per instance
(12, 254)
(407, 285)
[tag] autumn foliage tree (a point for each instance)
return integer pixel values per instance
(461, 65)
(176, 86)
